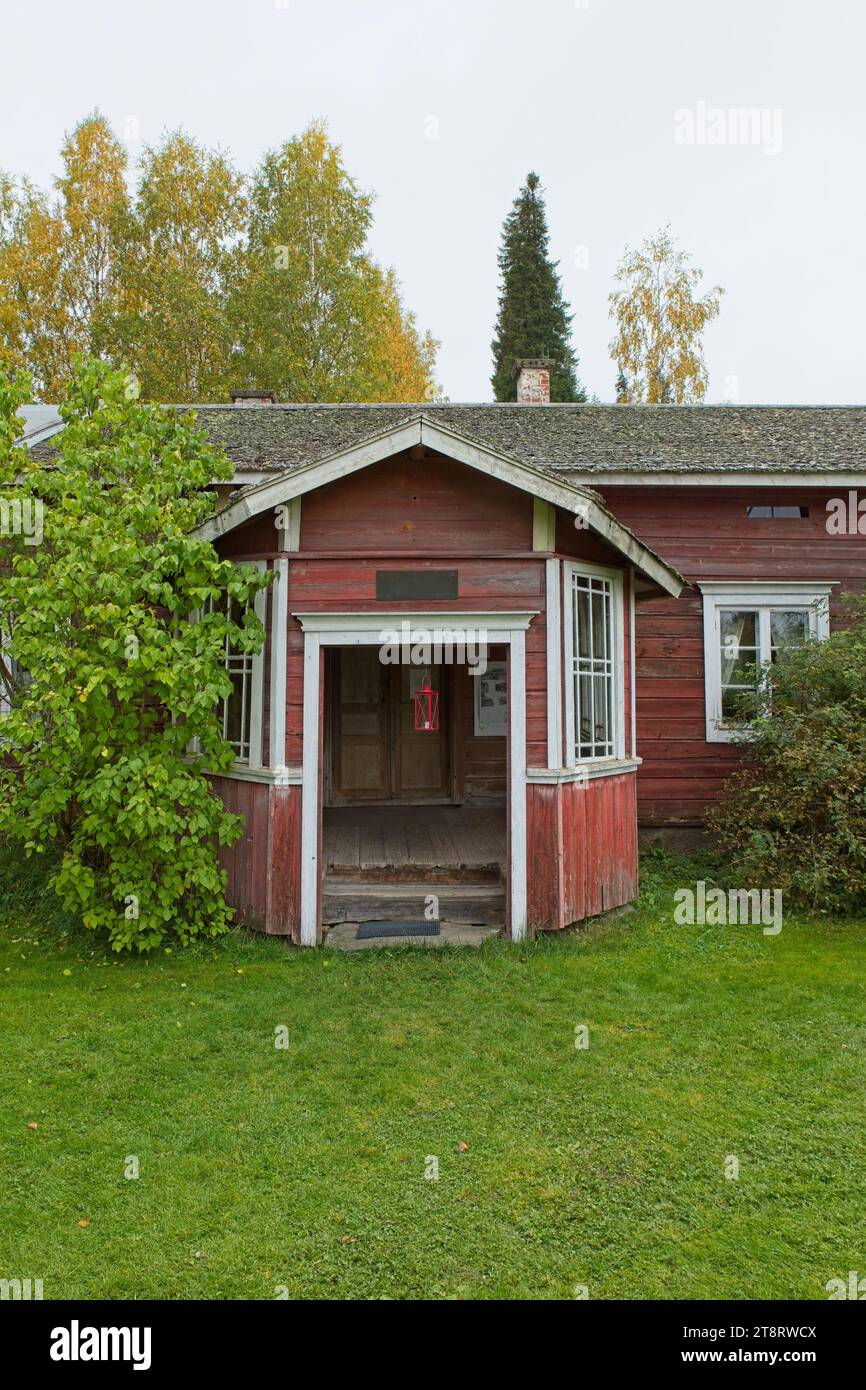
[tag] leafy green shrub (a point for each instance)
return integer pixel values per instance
(794, 813)
(108, 678)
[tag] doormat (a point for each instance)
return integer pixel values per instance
(414, 927)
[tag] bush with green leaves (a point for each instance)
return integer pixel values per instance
(793, 816)
(108, 680)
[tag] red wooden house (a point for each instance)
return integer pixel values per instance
(583, 588)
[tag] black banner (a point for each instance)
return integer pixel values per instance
(84, 1339)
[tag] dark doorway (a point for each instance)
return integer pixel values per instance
(373, 751)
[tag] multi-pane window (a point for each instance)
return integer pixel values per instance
(751, 638)
(237, 708)
(241, 710)
(746, 628)
(594, 664)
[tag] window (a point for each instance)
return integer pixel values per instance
(746, 626)
(776, 513)
(241, 711)
(16, 675)
(593, 627)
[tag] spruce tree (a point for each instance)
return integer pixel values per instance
(533, 319)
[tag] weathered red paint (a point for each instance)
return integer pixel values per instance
(433, 513)
(582, 839)
(705, 533)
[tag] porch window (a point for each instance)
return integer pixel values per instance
(241, 710)
(593, 662)
(746, 627)
(17, 675)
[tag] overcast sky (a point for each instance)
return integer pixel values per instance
(622, 106)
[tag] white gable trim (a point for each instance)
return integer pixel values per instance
(286, 486)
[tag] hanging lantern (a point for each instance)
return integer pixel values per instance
(426, 701)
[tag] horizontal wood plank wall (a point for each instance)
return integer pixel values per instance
(426, 514)
(582, 849)
(432, 504)
(706, 534)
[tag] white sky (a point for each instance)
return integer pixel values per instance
(583, 91)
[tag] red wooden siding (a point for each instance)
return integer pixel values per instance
(332, 585)
(263, 867)
(581, 849)
(706, 534)
(429, 504)
(426, 514)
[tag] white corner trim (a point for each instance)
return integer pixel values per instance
(517, 784)
(279, 660)
(632, 673)
(553, 620)
(310, 808)
(765, 595)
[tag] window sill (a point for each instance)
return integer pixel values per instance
(270, 776)
(721, 733)
(582, 772)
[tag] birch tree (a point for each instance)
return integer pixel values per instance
(660, 318)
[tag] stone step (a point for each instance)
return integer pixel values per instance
(348, 900)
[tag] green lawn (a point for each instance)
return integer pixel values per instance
(304, 1167)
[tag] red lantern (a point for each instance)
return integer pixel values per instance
(426, 703)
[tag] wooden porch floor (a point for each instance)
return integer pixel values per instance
(385, 837)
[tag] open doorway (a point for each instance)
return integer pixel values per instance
(498, 634)
(413, 814)
(374, 752)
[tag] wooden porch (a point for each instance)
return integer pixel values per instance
(379, 838)
(385, 861)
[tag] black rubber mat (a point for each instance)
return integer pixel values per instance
(415, 927)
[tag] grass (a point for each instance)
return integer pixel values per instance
(304, 1167)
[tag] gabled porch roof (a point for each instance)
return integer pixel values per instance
(538, 481)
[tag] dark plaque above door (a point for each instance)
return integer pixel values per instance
(392, 585)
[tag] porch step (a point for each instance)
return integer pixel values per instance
(346, 899)
(408, 873)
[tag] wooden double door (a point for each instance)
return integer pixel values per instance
(375, 752)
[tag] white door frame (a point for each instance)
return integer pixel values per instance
(373, 629)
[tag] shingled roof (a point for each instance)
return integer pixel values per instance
(574, 439)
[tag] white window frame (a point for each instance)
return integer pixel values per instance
(581, 569)
(5, 704)
(257, 682)
(765, 596)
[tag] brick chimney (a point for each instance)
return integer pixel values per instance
(253, 398)
(533, 380)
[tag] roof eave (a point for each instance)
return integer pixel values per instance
(261, 497)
